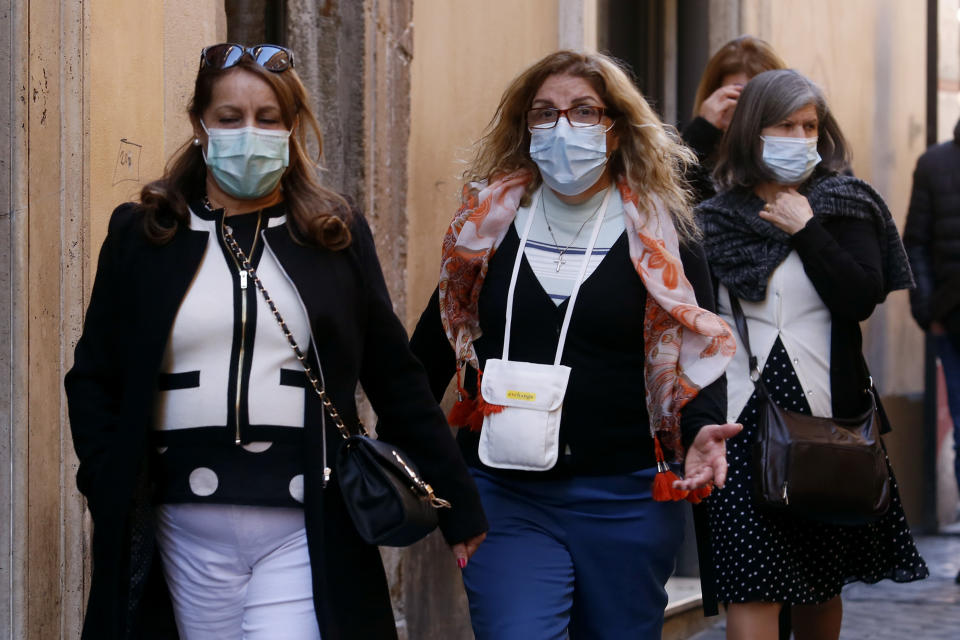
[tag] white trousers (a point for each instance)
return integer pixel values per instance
(237, 572)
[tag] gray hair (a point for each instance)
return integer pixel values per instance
(769, 98)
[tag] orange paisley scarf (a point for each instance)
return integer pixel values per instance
(686, 347)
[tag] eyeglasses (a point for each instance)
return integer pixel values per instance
(584, 115)
(271, 57)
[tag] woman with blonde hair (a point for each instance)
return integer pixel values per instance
(724, 77)
(573, 307)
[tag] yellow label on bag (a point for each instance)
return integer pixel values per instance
(522, 395)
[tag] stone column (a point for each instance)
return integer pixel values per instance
(42, 571)
(725, 24)
(12, 203)
(355, 60)
(64, 110)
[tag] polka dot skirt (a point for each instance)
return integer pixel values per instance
(760, 555)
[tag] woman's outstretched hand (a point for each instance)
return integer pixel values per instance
(462, 551)
(706, 460)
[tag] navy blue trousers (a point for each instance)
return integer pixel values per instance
(588, 555)
(948, 349)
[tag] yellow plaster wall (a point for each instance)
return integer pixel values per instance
(126, 100)
(463, 58)
(869, 56)
(188, 27)
(142, 58)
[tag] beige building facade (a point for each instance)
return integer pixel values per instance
(92, 106)
(95, 106)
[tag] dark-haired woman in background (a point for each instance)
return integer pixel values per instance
(724, 77)
(200, 441)
(809, 253)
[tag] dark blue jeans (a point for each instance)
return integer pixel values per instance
(948, 349)
(587, 555)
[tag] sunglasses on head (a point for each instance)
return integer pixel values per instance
(271, 57)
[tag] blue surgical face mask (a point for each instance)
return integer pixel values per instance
(570, 159)
(791, 160)
(247, 163)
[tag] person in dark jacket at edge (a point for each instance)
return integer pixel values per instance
(932, 240)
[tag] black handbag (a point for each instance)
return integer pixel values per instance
(388, 501)
(829, 469)
(389, 504)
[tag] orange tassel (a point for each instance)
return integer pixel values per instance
(484, 408)
(699, 494)
(663, 489)
(475, 421)
(461, 414)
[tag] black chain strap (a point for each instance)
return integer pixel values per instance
(311, 376)
(418, 483)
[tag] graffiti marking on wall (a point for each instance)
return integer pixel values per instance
(128, 162)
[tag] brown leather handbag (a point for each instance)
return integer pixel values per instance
(830, 469)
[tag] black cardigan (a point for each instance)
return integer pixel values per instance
(704, 139)
(136, 294)
(842, 258)
(604, 420)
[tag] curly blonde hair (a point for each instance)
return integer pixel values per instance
(649, 156)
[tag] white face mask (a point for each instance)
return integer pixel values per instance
(247, 163)
(791, 160)
(570, 159)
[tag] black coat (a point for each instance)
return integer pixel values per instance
(136, 294)
(932, 235)
(704, 139)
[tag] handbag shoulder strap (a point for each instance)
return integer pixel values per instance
(740, 321)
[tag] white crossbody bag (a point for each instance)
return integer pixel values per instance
(525, 435)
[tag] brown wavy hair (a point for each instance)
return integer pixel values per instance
(649, 156)
(320, 217)
(746, 54)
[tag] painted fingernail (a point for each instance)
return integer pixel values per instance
(461, 562)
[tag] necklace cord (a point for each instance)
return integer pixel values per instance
(563, 251)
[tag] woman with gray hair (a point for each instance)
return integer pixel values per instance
(809, 253)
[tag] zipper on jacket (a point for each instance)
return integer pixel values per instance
(243, 275)
(327, 471)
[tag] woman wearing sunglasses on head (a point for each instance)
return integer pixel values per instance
(201, 439)
(571, 277)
